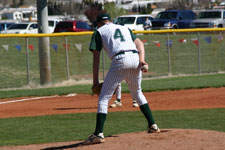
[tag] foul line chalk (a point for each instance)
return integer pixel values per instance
(27, 99)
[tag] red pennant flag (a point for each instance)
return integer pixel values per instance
(195, 41)
(157, 44)
(31, 47)
(182, 40)
(64, 45)
(144, 41)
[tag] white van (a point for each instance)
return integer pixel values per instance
(52, 24)
(134, 22)
(22, 28)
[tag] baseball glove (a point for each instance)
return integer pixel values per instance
(97, 89)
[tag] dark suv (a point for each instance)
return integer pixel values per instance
(173, 19)
(72, 26)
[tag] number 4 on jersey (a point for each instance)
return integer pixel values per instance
(119, 35)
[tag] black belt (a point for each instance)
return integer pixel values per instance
(123, 52)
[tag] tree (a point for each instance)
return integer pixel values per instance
(93, 11)
(70, 8)
(14, 4)
(21, 2)
(114, 11)
(186, 4)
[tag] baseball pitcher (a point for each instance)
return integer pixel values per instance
(128, 56)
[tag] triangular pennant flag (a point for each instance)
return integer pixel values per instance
(64, 45)
(156, 43)
(182, 40)
(208, 39)
(195, 41)
(31, 47)
(169, 43)
(55, 47)
(144, 41)
(220, 38)
(79, 47)
(18, 47)
(6, 47)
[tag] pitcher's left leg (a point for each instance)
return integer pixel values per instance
(134, 83)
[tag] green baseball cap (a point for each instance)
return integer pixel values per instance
(103, 17)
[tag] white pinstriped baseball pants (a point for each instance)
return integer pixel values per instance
(123, 67)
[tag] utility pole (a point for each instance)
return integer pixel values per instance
(43, 42)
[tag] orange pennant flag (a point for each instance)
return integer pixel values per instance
(66, 46)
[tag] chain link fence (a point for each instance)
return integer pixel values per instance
(168, 52)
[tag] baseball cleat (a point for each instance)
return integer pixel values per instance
(116, 104)
(135, 104)
(94, 139)
(153, 129)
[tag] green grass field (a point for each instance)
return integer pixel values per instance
(160, 84)
(71, 127)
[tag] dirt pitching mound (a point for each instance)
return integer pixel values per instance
(168, 139)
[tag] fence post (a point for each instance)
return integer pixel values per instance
(67, 60)
(199, 54)
(168, 50)
(28, 61)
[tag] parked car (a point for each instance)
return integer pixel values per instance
(72, 26)
(21, 28)
(209, 19)
(155, 11)
(5, 25)
(52, 24)
(134, 22)
(173, 19)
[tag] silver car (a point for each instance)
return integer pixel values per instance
(209, 19)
